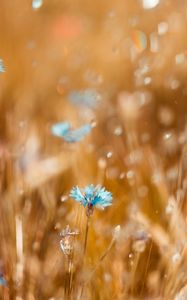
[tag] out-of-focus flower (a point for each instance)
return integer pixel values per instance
(2, 66)
(3, 281)
(92, 196)
(88, 98)
(63, 130)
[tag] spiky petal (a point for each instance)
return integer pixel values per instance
(78, 196)
(92, 195)
(63, 130)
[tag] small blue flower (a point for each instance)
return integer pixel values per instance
(2, 66)
(64, 131)
(87, 97)
(3, 281)
(92, 196)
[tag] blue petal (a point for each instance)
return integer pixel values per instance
(77, 134)
(96, 195)
(60, 129)
(3, 281)
(102, 198)
(63, 130)
(2, 66)
(89, 191)
(78, 196)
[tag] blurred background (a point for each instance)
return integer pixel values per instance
(121, 67)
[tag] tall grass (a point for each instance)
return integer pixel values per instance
(136, 248)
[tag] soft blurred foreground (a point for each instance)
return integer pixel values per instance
(119, 67)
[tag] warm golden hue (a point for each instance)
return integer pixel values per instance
(133, 54)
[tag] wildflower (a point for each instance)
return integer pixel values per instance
(3, 281)
(66, 243)
(68, 232)
(92, 196)
(2, 66)
(63, 130)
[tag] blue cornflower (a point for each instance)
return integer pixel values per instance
(2, 66)
(63, 130)
(92, 196)
(3, 281)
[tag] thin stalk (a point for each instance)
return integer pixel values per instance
(68, 278)
(85, 247)
(66, 285)
(70, 265)
(86, 235)
(70, 274)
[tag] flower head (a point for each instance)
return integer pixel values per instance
(92, 196)
(68, 232)
(63, 130)
(2, 66)
(66, 242)
(3, 281)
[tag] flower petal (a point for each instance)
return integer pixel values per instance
(60, 129)
(78, 196)
(77, 134)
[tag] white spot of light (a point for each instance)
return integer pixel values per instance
(148, 4)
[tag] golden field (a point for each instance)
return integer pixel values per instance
(133, 58)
